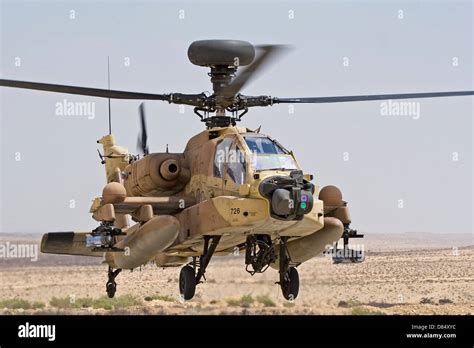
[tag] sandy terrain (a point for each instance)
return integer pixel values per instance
(396, 278)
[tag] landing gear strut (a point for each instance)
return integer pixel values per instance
(259, 253)
(289, 278)
(346, 254)
(111, 285)
(192, 273)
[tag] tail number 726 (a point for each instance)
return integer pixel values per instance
(235, 210)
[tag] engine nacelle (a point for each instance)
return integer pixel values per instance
(334, 205)
(157, 174)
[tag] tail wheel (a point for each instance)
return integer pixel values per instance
(111, 288)
(290, 286)
(187, 282)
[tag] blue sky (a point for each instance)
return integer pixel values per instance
(340, 48)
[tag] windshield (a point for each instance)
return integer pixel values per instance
(263, 145)
(267, 154)
(268, 162)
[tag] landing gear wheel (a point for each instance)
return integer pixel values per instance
(187, 282)
(111, 288)
(111, 285)
(190, 276)
(290, 286)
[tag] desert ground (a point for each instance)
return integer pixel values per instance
(406, 273)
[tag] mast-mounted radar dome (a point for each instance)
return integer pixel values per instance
(221, 52)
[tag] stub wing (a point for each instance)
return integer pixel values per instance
(67, 243)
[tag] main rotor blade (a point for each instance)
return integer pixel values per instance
(355, 98)
(93, 92)
(269, 52)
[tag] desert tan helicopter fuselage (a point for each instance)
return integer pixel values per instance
(232, 190)
(220, 193)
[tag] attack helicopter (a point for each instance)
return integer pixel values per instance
(231, 190)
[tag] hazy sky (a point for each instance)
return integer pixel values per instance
(398, 173)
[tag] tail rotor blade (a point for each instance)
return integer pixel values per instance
(143, 136)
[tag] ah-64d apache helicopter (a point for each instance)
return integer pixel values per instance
(231, 189)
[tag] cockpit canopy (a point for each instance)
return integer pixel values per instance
(268, 154)
(263, 145)
(236, 155)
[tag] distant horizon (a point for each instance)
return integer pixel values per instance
(362, 232)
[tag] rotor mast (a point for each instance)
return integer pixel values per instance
(223, 57)
(221, 76)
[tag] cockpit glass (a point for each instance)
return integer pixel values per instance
(263, 145)
(220, 156)
(267, 154)
(273, 162)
